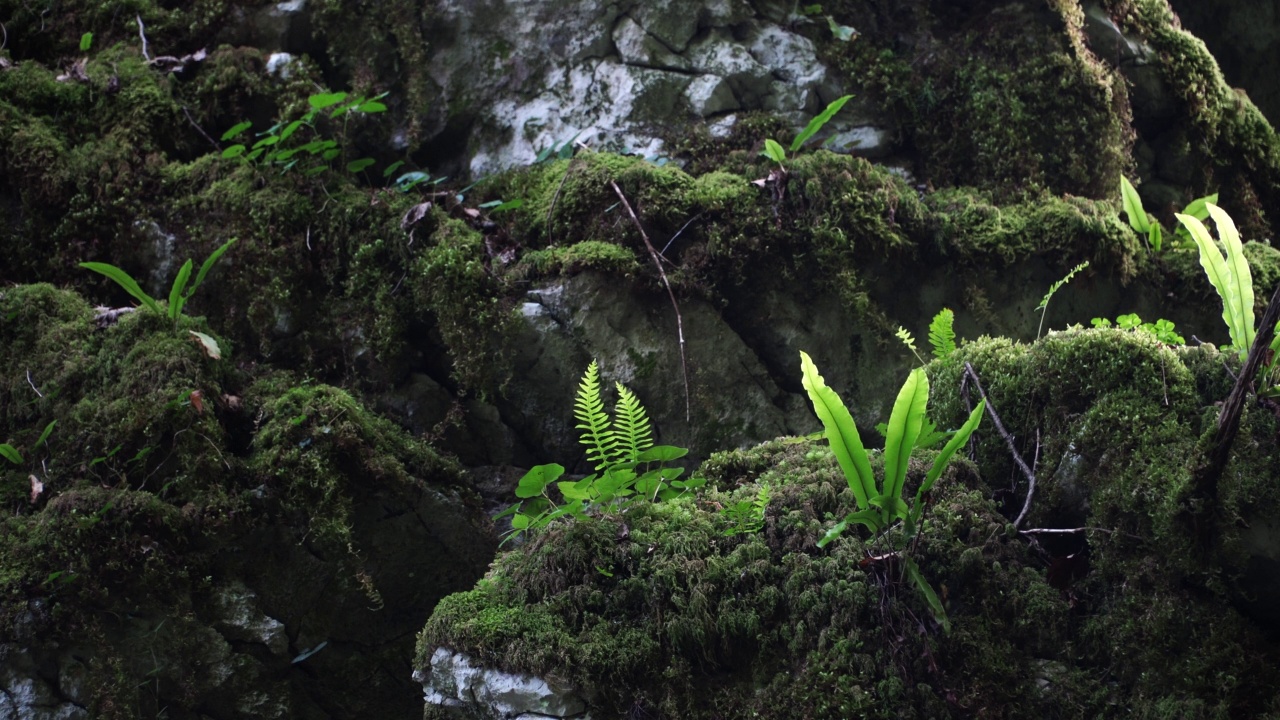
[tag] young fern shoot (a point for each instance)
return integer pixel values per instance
(1044, 304)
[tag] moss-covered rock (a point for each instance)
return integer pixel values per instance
(186, 530)
(661, 610)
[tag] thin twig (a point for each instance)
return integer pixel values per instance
(1008, 439)
(143, 34)
(33, 385)
(196, 125)
(684, 365)
(673, 237)
(5, 32)
(556, 198)
(1064, 531)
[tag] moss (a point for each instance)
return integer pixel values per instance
(1011, 104)
(705, 625)
(313, 441)
(586, 255)
(1234, 146)
(691, 623)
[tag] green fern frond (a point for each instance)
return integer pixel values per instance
(905, 336)
(588, 410)
(942, 334)
(761, 501)
(631, 432)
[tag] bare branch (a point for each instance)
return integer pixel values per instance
(142, 33)
(970, 373)
(657, 261)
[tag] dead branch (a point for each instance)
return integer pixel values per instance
(196, 125)
(110, 316)
(657, 261)
(971, 374)
(142, 33)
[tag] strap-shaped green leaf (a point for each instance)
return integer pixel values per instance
(208, 263)
(817, 122)
(1241, 278)
(1132, 203)
(940, 463)
(10, 453)
(176, 298)
(904, 427)
(1219, 274)
(926, 591)
(124, 280)
(841, 432)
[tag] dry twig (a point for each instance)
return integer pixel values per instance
(657, 261)
(971, 374)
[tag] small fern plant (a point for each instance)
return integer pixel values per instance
(629, 468)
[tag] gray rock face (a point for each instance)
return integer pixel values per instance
(458, 685)
(616, 76)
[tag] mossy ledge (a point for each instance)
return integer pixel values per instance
(658, 612)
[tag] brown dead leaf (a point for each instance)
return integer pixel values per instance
(415, 215)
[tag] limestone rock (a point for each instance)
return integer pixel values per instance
(455, 681)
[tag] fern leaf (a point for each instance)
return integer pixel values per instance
(632, 434)
(942, 334)
(905, 336)
(588, 410)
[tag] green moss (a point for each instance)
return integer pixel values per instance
(1233, 144)
(704, 625)
(687, 620)
(586, 255)
(1008, 103)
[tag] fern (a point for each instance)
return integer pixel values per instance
(905, 336)
(588, 410)
(942, 335)
(631, 434)
(1043, 307)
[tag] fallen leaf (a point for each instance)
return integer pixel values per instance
(415, 215)
(197, 401)
(208, 344)
(37, 487)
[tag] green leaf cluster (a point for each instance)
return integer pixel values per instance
(273, 146)
(181, 291)
(1146, 225)
(773, 149)
(747, 517)
(1228, 274)
(881, 504)
(629, 468)
(1162, 329)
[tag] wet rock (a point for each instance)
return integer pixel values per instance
(456, 682)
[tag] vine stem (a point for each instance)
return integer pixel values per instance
(657, 261)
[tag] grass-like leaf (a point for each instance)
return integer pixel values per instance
(841, 433)
(1132, 203)
(817, 122)
(1219, 272)
(1241, 277)
(176, 298)
(904, 427)
(208, 263)
(10, 453)
(124, 280)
